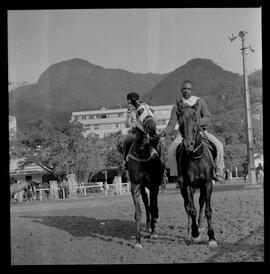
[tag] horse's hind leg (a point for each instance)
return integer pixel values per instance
(208, 214)
(147, 211)
(135, 191)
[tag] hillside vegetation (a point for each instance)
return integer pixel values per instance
(76, 85)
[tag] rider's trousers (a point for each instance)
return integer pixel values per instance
(219, 161)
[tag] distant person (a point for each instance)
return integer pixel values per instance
(204, 119)
(259, 170)
(245, 169)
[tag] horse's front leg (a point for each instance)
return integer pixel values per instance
(192, 213)
(154, 211)
(208, 213)
(135, 191)
(147, 211)
(201, 203)
(185, 198)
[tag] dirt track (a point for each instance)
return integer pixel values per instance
(100, 230)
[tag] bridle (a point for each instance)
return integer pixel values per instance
(195, 133)
(196, 149)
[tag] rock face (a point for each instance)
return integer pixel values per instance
(206, 76)
(76, 85)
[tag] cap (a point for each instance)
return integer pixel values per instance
(133, 96)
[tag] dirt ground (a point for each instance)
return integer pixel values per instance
(100, 230)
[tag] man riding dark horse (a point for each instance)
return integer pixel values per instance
(204, 119)
(196, 166)
(136, 114)
(142, 153)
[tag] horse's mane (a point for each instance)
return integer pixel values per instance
(180, 106)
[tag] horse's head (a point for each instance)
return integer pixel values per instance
(188, 123)
(147, 119)
(150, 125)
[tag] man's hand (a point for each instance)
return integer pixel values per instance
(162, 133)
(129, 111)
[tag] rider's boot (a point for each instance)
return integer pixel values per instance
(219, 176)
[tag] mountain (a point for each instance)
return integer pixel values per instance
(204, 73)
(75, 85)
(222, 90)
(224, 94)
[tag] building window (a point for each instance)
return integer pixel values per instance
(101, 116)
(112, 115)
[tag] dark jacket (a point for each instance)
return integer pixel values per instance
(202, 111)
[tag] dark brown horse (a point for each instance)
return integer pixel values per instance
(196, 166)
(146, 174)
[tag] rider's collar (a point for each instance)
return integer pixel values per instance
(190, 101)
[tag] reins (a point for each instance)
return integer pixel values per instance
(198, 147)
(139, 159)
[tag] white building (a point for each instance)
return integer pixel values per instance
(106, 121)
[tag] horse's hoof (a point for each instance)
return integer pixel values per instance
(138, 246)
(212, 243)
(197, 239)
(154, 236)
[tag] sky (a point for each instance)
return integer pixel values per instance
(137, 40)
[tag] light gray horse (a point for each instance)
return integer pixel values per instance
(24, 186)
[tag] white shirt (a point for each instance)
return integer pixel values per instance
(190, 101)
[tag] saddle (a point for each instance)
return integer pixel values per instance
(208, 146)
(142, 154)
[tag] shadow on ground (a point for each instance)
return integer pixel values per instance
(104, 229)
(80, 226)
(243, 245)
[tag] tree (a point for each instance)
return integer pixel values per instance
(113, 157)
(90, 158)
(61, 150)
(38, 143)
(53, 148)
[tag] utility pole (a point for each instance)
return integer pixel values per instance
(250, 146)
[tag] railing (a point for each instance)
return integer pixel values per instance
(116, 189)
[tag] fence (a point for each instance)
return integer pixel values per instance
(55, 192)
